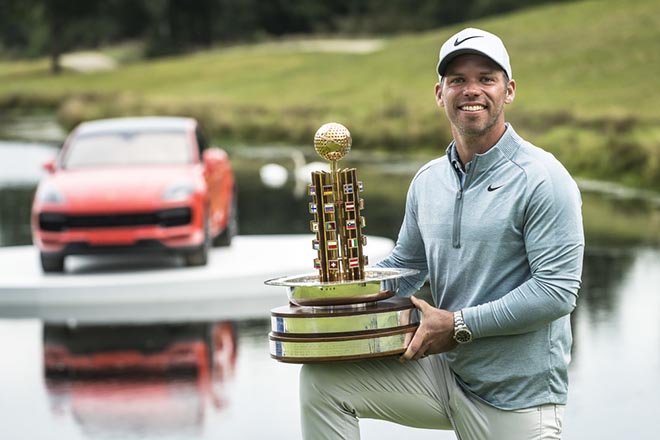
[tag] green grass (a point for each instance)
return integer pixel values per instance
(620, 222)
(586, 77)
(593, 58)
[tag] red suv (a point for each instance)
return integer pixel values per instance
(135, 184)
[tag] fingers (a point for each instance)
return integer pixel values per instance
(421, 340)
(410, 355)
(421, 353)
(413, 350)
(416, 349)
(422, 305)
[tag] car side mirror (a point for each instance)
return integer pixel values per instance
(213, 157)
(49, 166)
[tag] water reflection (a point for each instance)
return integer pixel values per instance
(15, 205)
(138, 381)
(125, 408)
(36, 128)
(602, 275)
(20, 171)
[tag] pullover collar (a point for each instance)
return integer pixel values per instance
(504, 149)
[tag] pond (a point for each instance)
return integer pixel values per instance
(224, 385)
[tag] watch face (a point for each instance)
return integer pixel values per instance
(462, 336)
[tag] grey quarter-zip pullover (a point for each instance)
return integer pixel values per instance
(505, 245)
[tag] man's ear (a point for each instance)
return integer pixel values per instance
(438, 95)
(510, 93)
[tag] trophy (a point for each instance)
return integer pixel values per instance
(344, 311)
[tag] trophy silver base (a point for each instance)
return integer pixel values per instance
(335, 333)
(342, 320)
(341, 348)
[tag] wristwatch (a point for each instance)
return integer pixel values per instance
(462, 333)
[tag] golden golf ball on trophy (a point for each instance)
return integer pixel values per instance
(332, 141)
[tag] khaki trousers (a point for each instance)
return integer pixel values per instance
(421, 394)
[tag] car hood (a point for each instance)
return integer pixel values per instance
(135, 188)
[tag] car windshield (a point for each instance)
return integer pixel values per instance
(128, 148)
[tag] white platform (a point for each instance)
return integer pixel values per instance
(143, 289)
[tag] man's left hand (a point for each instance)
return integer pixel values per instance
(435, 333)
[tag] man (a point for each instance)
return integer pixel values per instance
(495, 226)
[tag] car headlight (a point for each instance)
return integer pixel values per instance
(178, 191)
(49, 194)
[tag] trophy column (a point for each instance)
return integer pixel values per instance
(343, 312)
(338, 225)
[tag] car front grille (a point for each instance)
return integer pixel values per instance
(56, 222)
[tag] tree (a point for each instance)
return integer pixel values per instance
(59, 15)
(38, 27)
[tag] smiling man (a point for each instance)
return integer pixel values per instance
(495, 227)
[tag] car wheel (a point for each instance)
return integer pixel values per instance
(200, 256)
(52, 262)
(225, 237)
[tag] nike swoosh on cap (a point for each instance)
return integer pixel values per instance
(493, 188)
(458, 42)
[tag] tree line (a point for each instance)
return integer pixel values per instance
(30, 28)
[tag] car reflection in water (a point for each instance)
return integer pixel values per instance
(138, 380)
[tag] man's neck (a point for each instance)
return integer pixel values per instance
(467, 146)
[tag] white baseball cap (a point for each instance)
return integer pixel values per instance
(474, 41)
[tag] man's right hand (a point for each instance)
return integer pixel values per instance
(435, 333)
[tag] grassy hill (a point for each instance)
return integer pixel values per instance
(586, 74)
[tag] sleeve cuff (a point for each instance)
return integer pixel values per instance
(471, 320)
